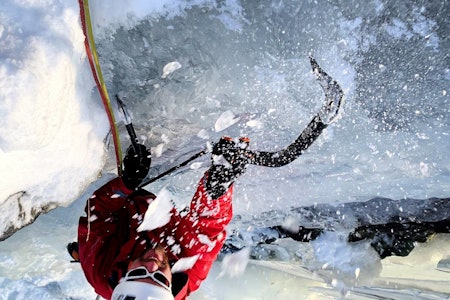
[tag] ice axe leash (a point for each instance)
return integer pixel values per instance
(328, 113)
(184, 163)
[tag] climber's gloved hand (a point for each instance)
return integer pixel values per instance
(136, 165)
(228, 162)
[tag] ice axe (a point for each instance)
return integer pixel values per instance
(129, 126)
(328, 113)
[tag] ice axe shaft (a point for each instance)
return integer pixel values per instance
(193, 157)
(129, 126)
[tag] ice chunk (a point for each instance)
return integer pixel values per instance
(158, 212)
(204, 239)
(196, 165)
(170, 68)
(225, 120)
(184, 264)
(234, 264)
(158, 150)
(203, 134)
(291, 224)
(255, 123)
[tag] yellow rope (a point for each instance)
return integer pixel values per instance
(105, 98)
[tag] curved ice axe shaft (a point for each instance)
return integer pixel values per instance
(328, 113)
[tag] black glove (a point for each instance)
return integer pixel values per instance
(136, 166)
(228, 163)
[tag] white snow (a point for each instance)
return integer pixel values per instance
(52, 126)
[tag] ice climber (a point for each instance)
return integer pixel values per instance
(122, 263)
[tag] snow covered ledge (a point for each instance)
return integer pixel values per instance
(52, 125)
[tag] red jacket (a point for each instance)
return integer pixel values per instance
(108, 239)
